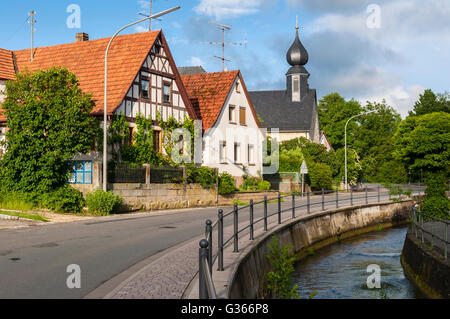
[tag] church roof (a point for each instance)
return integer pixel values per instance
(190, 70)
(297, 54)
(277, 110)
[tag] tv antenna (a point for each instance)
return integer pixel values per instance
(32, 22)
(149, 15)
(223, 43)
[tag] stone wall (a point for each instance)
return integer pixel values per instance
(313, 231)
(164, 196)
(426, 269)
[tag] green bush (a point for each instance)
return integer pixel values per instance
(253, 184)
(227, 184)
(437, 207)
(16, 201)
(63, 200)
(436, 202)
(264, 186)
(103, 203)
(320, 176)
(204, 176)
(279, 279)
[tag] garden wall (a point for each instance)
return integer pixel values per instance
(164, 196)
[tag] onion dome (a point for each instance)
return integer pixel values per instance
(297, 54)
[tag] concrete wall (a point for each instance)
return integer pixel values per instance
(426, 269)
(314, 231)
(164, 196)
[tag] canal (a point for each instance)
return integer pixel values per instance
(339, 271)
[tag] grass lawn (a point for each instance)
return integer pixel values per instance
(24, 215)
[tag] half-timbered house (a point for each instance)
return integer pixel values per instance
(142, 76)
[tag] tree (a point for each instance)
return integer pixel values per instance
(374, 139)
(49, 121)
(423, 142)
(334, 112)
(430, 103)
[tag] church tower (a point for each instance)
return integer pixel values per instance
(297, 77)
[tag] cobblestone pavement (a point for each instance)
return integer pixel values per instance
(169, 276)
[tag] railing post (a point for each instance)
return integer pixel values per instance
(421, 217)
(351, 196)
(337, 198)
(265, 213)
(251, 220)
(432, 236)
(209, 232)
(293, 205)
(236, 221)
(367, 198)
(379, 195)
(202, 254)
(220, 240)
(446, 240)
(279, 208)
(308, 203)
(323, 199)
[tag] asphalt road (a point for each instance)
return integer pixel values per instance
(33, 260)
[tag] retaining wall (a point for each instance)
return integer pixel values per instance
(426, 268)
(164, 196)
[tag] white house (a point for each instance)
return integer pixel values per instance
(233, 138)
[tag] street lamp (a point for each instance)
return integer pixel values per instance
(105, 111)
(346, 178)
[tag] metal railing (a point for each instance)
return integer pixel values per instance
(206, 287)
(126, 173)
(430, 229)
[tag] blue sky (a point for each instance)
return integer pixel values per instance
(408, 51)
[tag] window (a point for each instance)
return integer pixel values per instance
(251, 154)
(296, 85)
(238, 87)
(242, 118)
(232, 114)
(167, 92)
(237, 153)
(81, 172)
(223, 152)
(145, 89)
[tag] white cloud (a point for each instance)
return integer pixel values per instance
(228, 8)
(399, 97)
(141, 28)
(391, 63)
(196, 61)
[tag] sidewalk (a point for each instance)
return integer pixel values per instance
(172, 274)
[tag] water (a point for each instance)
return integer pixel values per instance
(340, 270)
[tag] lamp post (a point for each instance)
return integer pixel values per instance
(346, 124)
(105, 111)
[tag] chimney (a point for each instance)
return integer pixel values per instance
(82, 37)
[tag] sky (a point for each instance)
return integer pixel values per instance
(368, 50)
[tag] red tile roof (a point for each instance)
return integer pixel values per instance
(208, 93)
(87, 61)
(6, 65)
